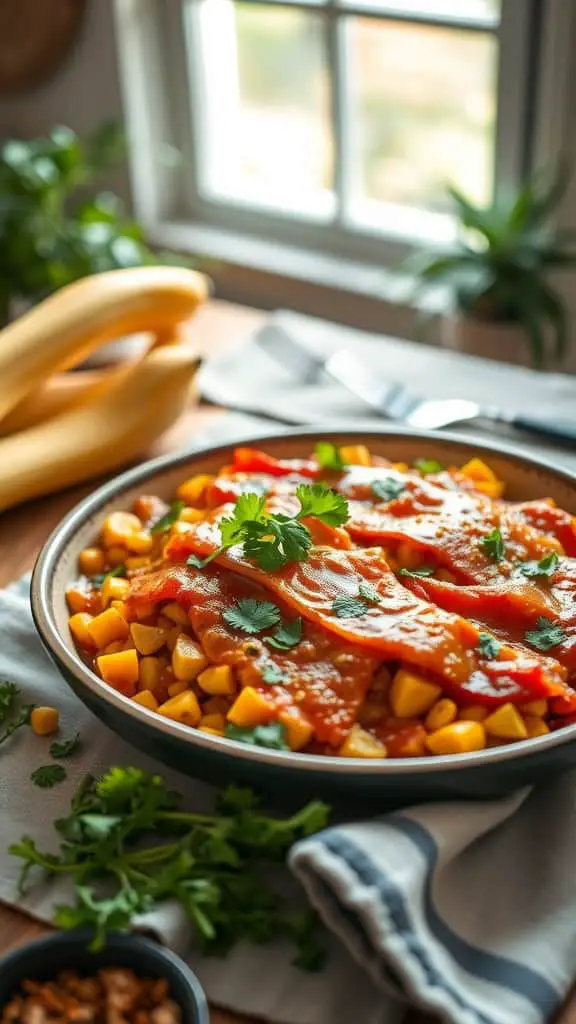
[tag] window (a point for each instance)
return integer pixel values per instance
(332, 124)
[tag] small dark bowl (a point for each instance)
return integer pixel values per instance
(42, 960)
(292, 776)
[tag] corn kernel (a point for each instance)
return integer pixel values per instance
(441, 713)
(44, 721)
(149, 673)
(118, 526)
(535, 707)
(140, 543)
(120, 670)
(137, 562)
(177, 687)
(218, 680)
(78, 627)
(216, 722)
(116, 556)
(91, 561)
(360, 743)
(298, 730)
(192, 491)
(475, 713)
(188, 659)
(107, 627)
(506, 724)
(356, 455)
(175, 612)
(411, 695)
(147, 639)
(192, 515)
(457, 738)
(77, 600)
(146, 699)
(251, 708)
(182, 708)
(535, 726)
(113, 589)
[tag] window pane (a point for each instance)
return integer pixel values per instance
(268, 139)
(423, 114)
(486, 12)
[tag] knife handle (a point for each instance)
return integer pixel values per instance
(558, 430)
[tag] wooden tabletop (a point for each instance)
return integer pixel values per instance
(24, 530)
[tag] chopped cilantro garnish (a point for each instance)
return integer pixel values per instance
(272, 674)
(328, 456)
(48, 775)
(98, 580)
(252, 616)
(64, 748)
(388, 489)
(272, 736)
(426, 466)
(369, 593)
(547, 634)
(166, 521)
(323, 503)
(423, 570)
(493, 545)
(286, 636)
(345, 607)
(488, 645)
(545, 567)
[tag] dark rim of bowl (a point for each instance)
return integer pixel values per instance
(43, 613)
(120, 940)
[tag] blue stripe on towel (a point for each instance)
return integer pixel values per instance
(478, 962)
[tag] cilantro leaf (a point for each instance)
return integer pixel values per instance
(197, 563)
(249, 508)
(322, 502)
(252, 616)
(48, 775)
(426, 466)
(328, 456)
(488, 645)
(277, 542)
(272, 736)
(545, 567)
(8, 693)
(388, 489)
(13, 724)
(272, 675)
(64, 748)
(166, 521)
(286, 636)
(345, 607)
(424, 570)
(98, 580)
(493, 545)
(547, 634)
(367, 591)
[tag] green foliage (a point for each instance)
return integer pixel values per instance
(498, 270)
(50, 233)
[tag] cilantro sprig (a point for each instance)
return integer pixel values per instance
(547, 634)
(346, 606)
(388, 489)
(48, 775)
(287, 636)
(127, 845)
(98, 580)
(272, 736)
(12, 718)
(275, 540)
(493, 545)
(60, 749)
(252, 616)
(543, 568)
(163, 524)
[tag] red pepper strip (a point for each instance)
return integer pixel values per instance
(250, 460)
(400, 626)
(323, 677)
(546, 517)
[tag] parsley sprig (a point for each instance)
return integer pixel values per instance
(275, 540)
(493, 545)
(12, 718)
(127, 845)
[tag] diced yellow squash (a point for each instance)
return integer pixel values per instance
(44, 721)
(441, 713)
(216, 722)
(118, 526)
(191, 515)
(149, 674)
(178, 687)
(146, 699)
(78, 625)
(192, 490)
(120, 670)
(188, 659)
(360, 743)
(457, 738)
(176, 613)
(76, 599)
(217, 680)
(484, 478)
(411, 694)
(474, 713)
(535, 726)
(113, 589)
(535, 707)
(251, 708)
(92, 561)
(182, 708)
(148, 639)
(298, 730)
(356, 455)
(506, 724)
(107, 627)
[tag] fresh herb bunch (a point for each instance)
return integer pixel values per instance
(127, 845)
(275, 540)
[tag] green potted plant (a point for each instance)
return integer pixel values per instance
(496, 275)
(52, 230)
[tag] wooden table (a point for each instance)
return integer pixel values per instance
(24, 530)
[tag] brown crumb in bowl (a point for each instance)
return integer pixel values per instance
(116, 995)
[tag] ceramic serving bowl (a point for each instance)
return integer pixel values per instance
(44, 959)
(487, 773)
